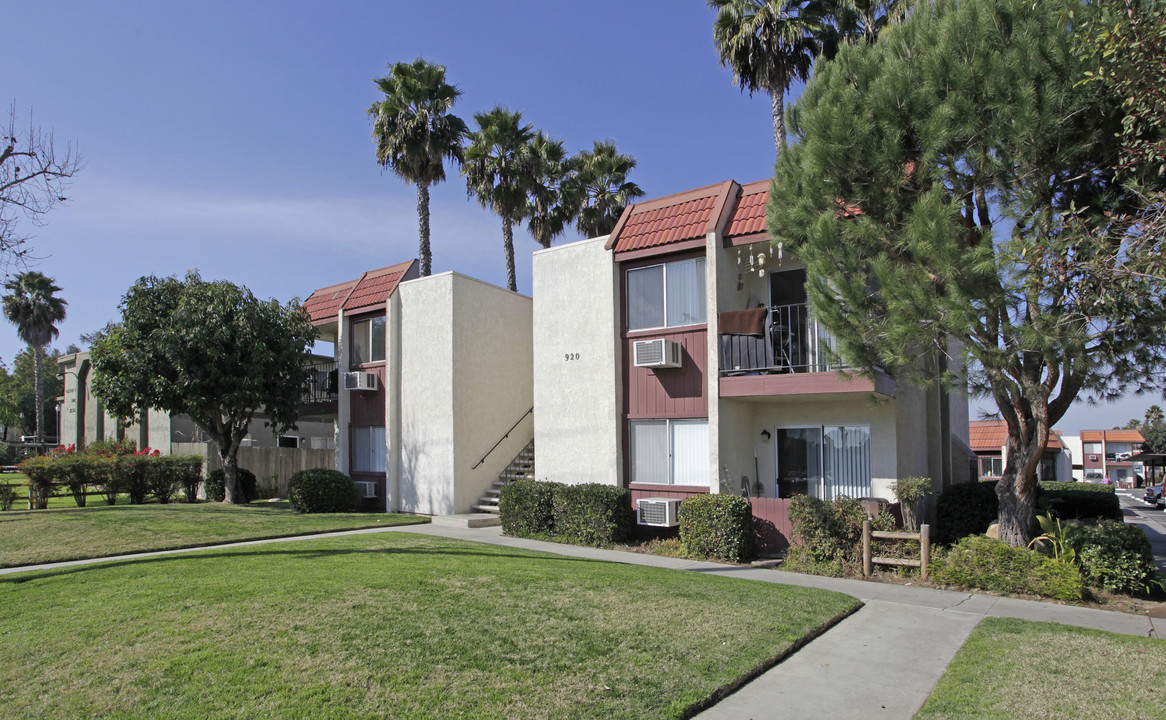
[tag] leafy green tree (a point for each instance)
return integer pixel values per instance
(415, 133)
(9, 404)
(940, 194)
(24, 386)
(768, 44)
(1154, 437)
(498, 167)
(208, 350)
(602, 186)
(554, 196)
(34, 308)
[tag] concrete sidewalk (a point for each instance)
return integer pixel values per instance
(881, 661)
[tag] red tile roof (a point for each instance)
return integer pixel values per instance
(991, 435)
(369, 291)
(1131, 436)
(748, 216)
(669, 220)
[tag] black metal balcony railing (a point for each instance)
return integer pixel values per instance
(323, 382)
(793, 343)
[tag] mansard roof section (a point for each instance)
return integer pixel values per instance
(367, 292)
(674, 222)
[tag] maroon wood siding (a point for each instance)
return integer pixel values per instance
(367, 407)
(668, 392)
(770, 515)
(805, 384)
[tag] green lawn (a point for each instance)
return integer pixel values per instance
(1014, 669)
(29, 537)
(387, 625)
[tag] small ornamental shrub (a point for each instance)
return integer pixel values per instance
(8, 497)
(828, 535)
(717, 526)
(965, 509)
(910, 492)
(74, 473)
(133, 475)
(978, 561)
(125, 446)
(1114, 556)
(103, 477)
(216, 490)
(321, 491)
(526, 508)
(592, 514)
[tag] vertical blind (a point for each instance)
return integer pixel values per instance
(368, 449)
(846, 452)
(669, 452)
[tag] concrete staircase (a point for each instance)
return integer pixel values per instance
(520, 468)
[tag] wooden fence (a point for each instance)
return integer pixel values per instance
(923, 536)
(770, 518)
(272, 466)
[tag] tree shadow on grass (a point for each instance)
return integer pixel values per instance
(307, 553)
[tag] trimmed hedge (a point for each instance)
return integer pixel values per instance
(965, 509)
(978, 561)
(592, 514)
(215, 489)
(1114, 556)
(1080, 501)
(526, 508)
(716, 526)
(589, 514)
(319, 490)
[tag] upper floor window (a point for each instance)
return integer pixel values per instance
(368, 341)
(667, 295)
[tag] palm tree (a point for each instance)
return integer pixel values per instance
(553, 197)
(769, 44)
(855, 20)
(415, 133)
(601, 179)
(1154, 415)
(498, 167)
(31, 305)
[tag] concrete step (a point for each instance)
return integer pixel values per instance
(489, 509)
(467, 520)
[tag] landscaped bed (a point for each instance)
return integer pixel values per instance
(1014, 669)
(388, 625)
(40, 536)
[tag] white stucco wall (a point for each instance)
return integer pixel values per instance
(577, 384)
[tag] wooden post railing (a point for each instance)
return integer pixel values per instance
(923, 536)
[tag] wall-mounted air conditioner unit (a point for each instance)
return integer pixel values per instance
(1092, 458)
(366, 489)
(360, 381)
(658, 353)
(657, 512)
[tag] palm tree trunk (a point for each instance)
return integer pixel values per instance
(508, 248)
(426, 256)
(777, 101)
(39, 393)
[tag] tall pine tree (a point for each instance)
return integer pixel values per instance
(942, 191)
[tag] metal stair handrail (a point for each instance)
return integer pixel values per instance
(477, 464)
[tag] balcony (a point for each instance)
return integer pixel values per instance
(322, 388)
(791, 355)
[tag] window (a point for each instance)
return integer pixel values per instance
(1092, 448)
(824, 462)
(368, 449)
(669, 452)
(991, 467)
(288, 441)
(668, 295)
(368, 341)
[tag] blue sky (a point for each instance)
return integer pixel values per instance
(232, 137)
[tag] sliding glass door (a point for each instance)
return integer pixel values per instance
(823, 461)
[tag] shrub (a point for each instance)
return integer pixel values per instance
(1081, 501)
(321, 491)
(74, 472)
(982, 562)
(1114, 556)
(910, 491)
(717, 526)
(828, 535)
(526, 508)
(592, 514)
(186, 472)
(217, 491)
(966, 509)
(101, 475)
(42, 472)
(8, 497)
(132, 475)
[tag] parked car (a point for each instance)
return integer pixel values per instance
(1095, 476)
(1153, 495)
